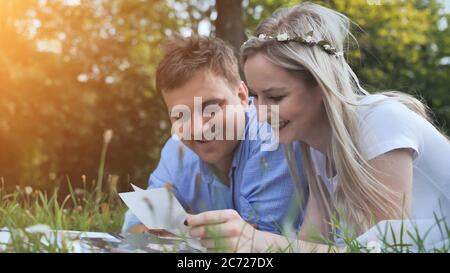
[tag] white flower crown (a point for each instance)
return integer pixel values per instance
(308, 40)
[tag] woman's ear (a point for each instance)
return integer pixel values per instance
(243, 94)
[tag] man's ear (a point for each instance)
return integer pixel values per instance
(243, 94)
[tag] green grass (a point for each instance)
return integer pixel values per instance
(88, 209)
(82, 209)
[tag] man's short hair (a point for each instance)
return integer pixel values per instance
(185, 56)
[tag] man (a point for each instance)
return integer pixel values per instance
(218, 172)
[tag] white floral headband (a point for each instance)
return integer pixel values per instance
(309, 41)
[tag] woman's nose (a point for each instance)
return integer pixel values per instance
(268, 113)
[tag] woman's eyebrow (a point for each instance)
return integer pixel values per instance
(272, 89)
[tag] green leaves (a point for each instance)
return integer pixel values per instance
(55, 107)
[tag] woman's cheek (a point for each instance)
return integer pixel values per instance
(286, 110)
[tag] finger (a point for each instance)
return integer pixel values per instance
(228, 229)
(211, 217)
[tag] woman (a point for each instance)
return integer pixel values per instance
(367, 157)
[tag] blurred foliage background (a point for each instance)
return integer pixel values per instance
(72, 69)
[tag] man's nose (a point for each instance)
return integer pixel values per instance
(197, 122)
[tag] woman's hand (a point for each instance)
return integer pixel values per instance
(223, 230)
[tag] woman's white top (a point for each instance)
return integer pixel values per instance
(390, 125)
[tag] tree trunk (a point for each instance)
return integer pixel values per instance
(229, 23)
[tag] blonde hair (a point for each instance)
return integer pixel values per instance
(358, 193)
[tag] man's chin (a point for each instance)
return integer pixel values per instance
(200, 147)
(209, 158)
